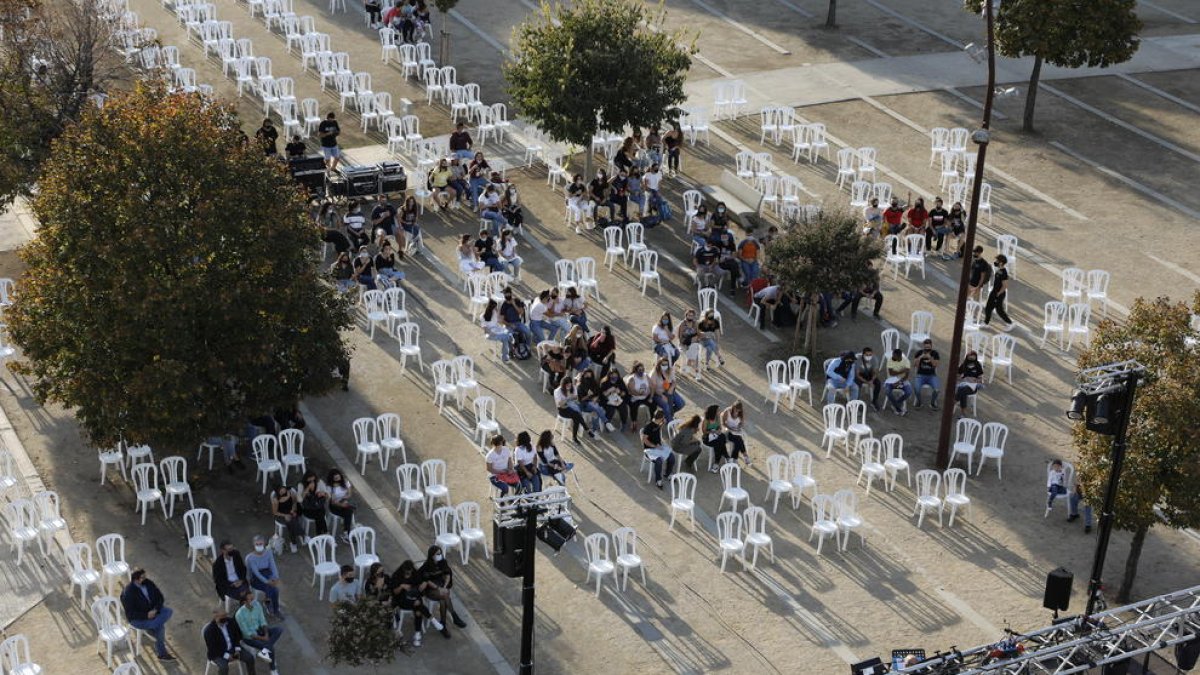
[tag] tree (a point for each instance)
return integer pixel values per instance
(827, 254)
(360, 633)
(1064, 33)
(172, 290)
(598, 65)
(52, 57)
(831, 17)
(1162, 460)
(444, 6)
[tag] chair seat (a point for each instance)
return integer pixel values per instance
(326, 569)
(178, 488)
(392, 443)
(24, 533)
(873, 468)
(85, 577)
(293, 460)
(487, 425)
(780, 486)
(110, 457)
(410, 351)
(412, 495)
(896, 464)
(800, 384)
(859, 429)
(114, 633)
(849, 522)
(780, 388)
(929, 502)
(149, 495)
(467, 384)
(471, 534)
(732, 545)
(200, 542)
(964, 448)
(629, 560)
(446, 388)
(825, 526)
(837, 433)
(448, 540)
(601, 567)
(270, 465)
(992, 453)
(958, 500)
(26, 669)
(365, 559)
(736, 494)
(758, 539)
(436, 490)
(802, 482)
(116, 568)
(370, 448)
(682, 504)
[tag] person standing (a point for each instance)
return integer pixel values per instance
(145, 609)
(999, 293)
(673, 140)
(223, 644)
(328, 132)
(255, 631)
(267, 136)
(981, 273)
(927, 363)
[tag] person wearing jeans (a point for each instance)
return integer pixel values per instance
(662, 390)
(1056, 482)
(264, 573)
(898, 368)
(499, 460)
(588, 391)
(494, 330)
(659, 453)
(866, 374)
(567, 404)
(1073, 501)
(145, 610)
(842, 374)
(927, 363)
(255, 631)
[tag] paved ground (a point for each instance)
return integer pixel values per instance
(1113, 158)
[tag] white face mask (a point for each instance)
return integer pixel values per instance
(438, 557)
(259, 548)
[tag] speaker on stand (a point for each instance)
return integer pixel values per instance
(1058, 590)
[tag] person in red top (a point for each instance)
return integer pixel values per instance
(918, 218)
(893, 215)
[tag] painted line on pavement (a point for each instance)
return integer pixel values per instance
(386, 515)
(877, 52)
(958, 94)
(479, 31)
(1182, 208)
(538, 10)
(1122, 123)
(1168, 12)
(915, 24)
(1182, 271)
(1159, 92)
(797, 9)
(740, 26)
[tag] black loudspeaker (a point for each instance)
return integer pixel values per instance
(1187, 653)
(507, 550)
(391, 177)
(870, 667)
(1058, 590)
(1117, 668)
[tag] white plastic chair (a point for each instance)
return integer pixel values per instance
(388, 426)
(882, 192)
(443, 382)
(139, 454)
(966, 440)
(362, 549)
(197, 526)
(322, 552)
(683, 497)
(958, 140)
(80, 570)
(20, 517)
(860, 194)
(366, 443)
(145, 488)
(110, 628)
(985, 200)
(388, 46)
(995, 435)
(374, 310)
(1068, 482)
(110, 549)
(800, 470)
(596, 549)
(1054, 321)
(1007, 245)
(1097, 289)
(872, 465)
(824, 524)
(866, 162)
(469, 530)
(846, 169)
(816, 141)
(914, 253)
(921, 327)
(265, 450)
(729, 538)
(408, 481)
(856, 423)
(889, 339)
(433, 476)
(175, 483)
(624, 540)
(949, 169)
(845, 505)
(893, 458)
(939, 143)
(613, 245)
(798, 381)
(1001, 355)
(1073, 282)
(973, 319)
(731, 484)
(634, 233)
(1080, 315)
(49, 516)
(929, 485)
(114, 456)
(485, 419)
(778, 385)
(755, 524)
(779, 479)
(834, 417)
(894, 255)
(291, 442)
(15, 658)
(956, 492)
(585, 276)
(648, 270)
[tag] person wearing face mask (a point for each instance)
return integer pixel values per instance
(407, 591)
(580, 209)
(841, 374)
(223, 644)
(255, 631)
(894, 217)
(663, 392)
(637, 384)
(146, 610)
(664, 338)
(264, 574)
(636, 192)
(866, 374)
(613, 395)
(598, 191)
(618, 196)
(437, 573)
(342, 271)
(364, 269)
(340, 493)
(720, 217)
(229, 572)
(347, 588)
(873, 215)
(981, 273)
(970, 381)
(938, 227)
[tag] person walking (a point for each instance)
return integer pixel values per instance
(145, 609)
(999, 293)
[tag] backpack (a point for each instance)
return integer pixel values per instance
(520, 347)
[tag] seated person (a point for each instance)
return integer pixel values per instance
(658, 452)
(898, 369)
(841, 374)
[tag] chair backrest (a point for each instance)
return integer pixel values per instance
(110, 548)
(20, 514)
(408, 477)
(871, 450)
(976, 341)
(777, 373)
(778, 468)
(79, 558)
(174, 470)
(797, 368)
(1007, 244)
(683, 486)
(322, 549)
(834, 415)
(958, 138)
(822, 508)
(882, 192)
(365, 430)
(956, 482)
(893, 446)
(468, 516)
(443, 372)
(1097, 281)
(860, 192)
(387, 37)
(485, 409)
(648, 261)
(409, 334)
(755, 520)
(265, 447)
(624, 540)
(845, 160)
(292, 442)
(585, 268)
(801, 463)
(408, 53)
(464, 367)
(692, 200)
(966, 430)
(362, 81)
(499, 113)
(958, 193)
(743, 161)
(729, 526)
(1055, 314)
(974, 311)
(731, 476)
(816, 133)
(889, 340)
(845, 504)
(995, 435)
(497, 282)
(445, 521)
(939, 137)
(866, 157)
(1081, 314)
(1073, 280)
(950, 162)
(433, 472)
(106, 612)
(634, 233)
(1003, 347)
(196, 523)
(768, 186)
(262, 66)
(47, 504)
(856, 412)
(145, 477)
(387, 425)
(595, 546)
(914, 245)
(985, 195)
(929, 483)
(564, 270)
(790, 188)
(613, 237)
(362, 541)
(922, 321)
(14, 652)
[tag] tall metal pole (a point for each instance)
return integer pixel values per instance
(1110, 493)
(531, 523)
(964, 278)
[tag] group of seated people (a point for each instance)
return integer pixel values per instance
(637, 173)
(522, 467)
(465, 180)
(936, 224)
(897, 380)
(783, 308)
(721, 431)
(370, 256)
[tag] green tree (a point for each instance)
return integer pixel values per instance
(52, 57)
(827, 254)
(1162, 460)
(444, 6)
(1064, 33)
(360, 633)
(598, 65)
(173, 289)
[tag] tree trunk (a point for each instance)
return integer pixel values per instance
(1031, 94)
(831, 17)
(1131, 563)
(445, 42)
(587, 163)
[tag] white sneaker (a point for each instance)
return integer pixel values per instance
(610, 427)
(437, 625)
(416, 641)
(294, 548)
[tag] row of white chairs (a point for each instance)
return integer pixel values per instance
(454, 378)
(1090, 286)
(854, 164)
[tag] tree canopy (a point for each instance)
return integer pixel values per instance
(51, 59)
(598, 65)
(1065, 33)
(172, 290)
(1162, 461)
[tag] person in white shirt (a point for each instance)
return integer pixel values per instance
(538, 323)
(663, 334)
(500, 466)
(508, 253)
(525, 461)
(492, 329)
(489, 209)
(567, 404)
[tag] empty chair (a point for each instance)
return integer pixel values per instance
(1054, 321)
(779, 478)
(433, 477)
(939, 143)
(956, 492)
(443, 382)
(920, 328)
(20, 517)
(995, 435)
(362, 549)
(485, 419)
(80, 570)
(1001, 355)
(894, 255)
(624, 540)
(110, 549)
(1007, 245)
(145, 488)
(777, 383)
(846, 169)
(966, 439)
(731, 483)
(985, 199)
(817, 143)
(929, 485)
(889, 339)
(824, 524)
(755, 522)
(1097, 289)
(798, 378)
(882, 192)
(860, 194)
(111, 628)
(408, 480)
(834, 416)
(893, 458)
(111, 456)
(949, 169)
(373, 305)
(310, 109)
(914, 253)
(648, 270)
(856, 423)
(49, 516)
(866, 162)
(322, 551)
(845, 504)
(388, 428)
(683, 497)
(729, 537)
(585, 276)
(973, 319)
(139, 454)
(291, 442)
(596, 549)
(1080, 315)
(469, 529)
(872, 467)
(197, 526)
(800, 471)
(175, 483)
(15, 658)
(958, 140)
(408, 334)
(388, 46)
(1073, 281)
(265, 450)
(366, 443)
(634, 233)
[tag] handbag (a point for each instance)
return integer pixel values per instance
(509, 477)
